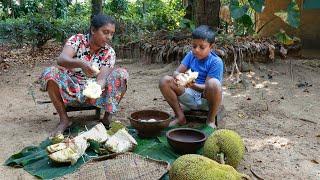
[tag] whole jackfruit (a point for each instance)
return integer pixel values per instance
(197, 167)
(226, 142)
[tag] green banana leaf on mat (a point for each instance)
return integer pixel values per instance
(35, 160)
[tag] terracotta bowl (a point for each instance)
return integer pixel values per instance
(186, 140)
(140, 120)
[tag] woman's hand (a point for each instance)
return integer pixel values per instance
(87, 69)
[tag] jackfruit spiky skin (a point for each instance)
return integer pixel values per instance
(227, 142)
(197, 167)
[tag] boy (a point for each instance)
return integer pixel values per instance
(206, 92)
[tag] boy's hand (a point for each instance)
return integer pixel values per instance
(190, 84)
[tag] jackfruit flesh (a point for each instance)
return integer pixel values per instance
(197, 167)
(57, 138)
(56, 147)
(71, 150)
(187, 77)
(92, 90)
(120, 142)
(227, 142)
(97, 133)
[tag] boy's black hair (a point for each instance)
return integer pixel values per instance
(204, 32)
(100, 20)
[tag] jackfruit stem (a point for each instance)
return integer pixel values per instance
(221, 158)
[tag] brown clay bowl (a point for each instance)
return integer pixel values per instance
(145, 128)
(186, 140)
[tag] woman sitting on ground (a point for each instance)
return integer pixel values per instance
(65, 82)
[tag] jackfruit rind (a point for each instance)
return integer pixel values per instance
(197, 167)
(227, 142)
(114, 127)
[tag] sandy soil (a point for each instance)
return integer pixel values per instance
(278, 120)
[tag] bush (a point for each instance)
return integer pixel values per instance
(37, 30)
(12, 30)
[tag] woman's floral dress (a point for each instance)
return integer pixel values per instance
(71, 82)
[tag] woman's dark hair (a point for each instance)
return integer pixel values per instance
(100, 20)
(204, 32)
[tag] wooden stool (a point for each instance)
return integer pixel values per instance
(77, 107)
(201, 116)
(70, 108)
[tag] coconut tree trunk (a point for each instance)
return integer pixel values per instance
(207, 12)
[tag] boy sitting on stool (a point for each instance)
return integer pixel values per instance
(206, 92)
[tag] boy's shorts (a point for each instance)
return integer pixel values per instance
(192, 100)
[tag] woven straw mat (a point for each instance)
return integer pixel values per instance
(122, 167)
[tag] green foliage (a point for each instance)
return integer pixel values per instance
(257, 5)
(284, 38)
(292, 15)
(237, 10)
(187, 24)
(69, 27)
(12, 30)
(36, 30)
(39, 30)
(119, 6)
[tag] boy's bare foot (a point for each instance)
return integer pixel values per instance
(212, 124)
(178, 121)
(62, 126)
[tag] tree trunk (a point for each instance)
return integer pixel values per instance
(207, 12)
(96, 7)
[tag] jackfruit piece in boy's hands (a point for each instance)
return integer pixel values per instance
(121, 142)
(92, 90)
(185, 78)
(194, 166)
(227, 142)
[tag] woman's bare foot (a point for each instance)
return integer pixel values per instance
(178, 121)
(61, 127)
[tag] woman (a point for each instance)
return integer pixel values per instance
(65, 83)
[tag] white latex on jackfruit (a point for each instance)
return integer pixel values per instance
(187, 77)
(92, 90)
(121, 142)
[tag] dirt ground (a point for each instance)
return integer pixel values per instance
(275, 109)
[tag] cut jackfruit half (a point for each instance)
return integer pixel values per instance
(121, 142)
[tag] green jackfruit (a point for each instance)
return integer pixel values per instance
(226, 142)
(197, 167)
